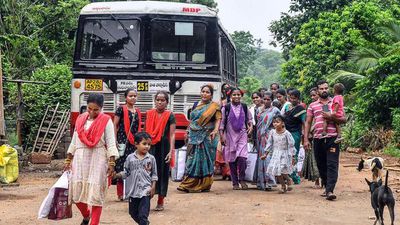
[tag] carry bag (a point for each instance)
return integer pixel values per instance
(60, 209)
(250, 174)
(178, 170)
(55, 206)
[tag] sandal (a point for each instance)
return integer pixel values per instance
(289, 188)
(244, 185)
(159, 208)
(236, 187)
(330, 196)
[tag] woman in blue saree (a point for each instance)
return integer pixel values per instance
(202, 143)
(264, 126)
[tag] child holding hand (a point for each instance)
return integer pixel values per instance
(280, 144)
(140, 174)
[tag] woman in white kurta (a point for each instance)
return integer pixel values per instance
(92, 153)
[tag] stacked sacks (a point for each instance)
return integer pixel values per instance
(8, 164)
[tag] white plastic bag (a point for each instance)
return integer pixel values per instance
(251, 163)
(62, 182)
(178, 171)
(300, 158)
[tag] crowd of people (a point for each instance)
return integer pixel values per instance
(105, 152)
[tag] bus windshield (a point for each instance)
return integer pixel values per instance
(178, 41)
(111, 39)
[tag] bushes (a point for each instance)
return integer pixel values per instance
(379, 92)
(396, 126)
(38, 97)
(353, 134)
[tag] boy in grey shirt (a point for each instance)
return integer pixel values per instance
(140, 174)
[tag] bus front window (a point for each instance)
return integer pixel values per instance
(110, 39)
(178, 41)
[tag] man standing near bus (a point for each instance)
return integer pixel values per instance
(325, 149)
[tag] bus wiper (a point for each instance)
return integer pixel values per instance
(123, 27)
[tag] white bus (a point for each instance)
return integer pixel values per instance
(150, 46)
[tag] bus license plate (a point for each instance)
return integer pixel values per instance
(142, 86)
(94, 85)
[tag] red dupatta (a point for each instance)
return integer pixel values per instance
(155, 125)
(91, 136)
(127, 123)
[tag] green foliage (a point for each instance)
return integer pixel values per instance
(246, 50)
(38, 97)
(392, 150)
(287, 29)
(54, 20)
(12, 138)
(249, 84)
(324, 44)
(353, 133)
(379, 92)
(266, 67)
(396, 125)
(35, 34)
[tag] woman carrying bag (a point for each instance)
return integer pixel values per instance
(91, 158)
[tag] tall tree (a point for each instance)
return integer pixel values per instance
(249, 84)
(267, 67)
(246, 50)
(287, 28)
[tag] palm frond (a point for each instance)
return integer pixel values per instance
(393, 30)
(365, 58)
(394, 50)
(348, 78)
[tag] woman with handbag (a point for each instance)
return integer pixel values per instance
(127, 121)
(202, 143)
(160, 124)
(91, 157)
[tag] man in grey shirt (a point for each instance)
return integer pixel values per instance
(140, 174)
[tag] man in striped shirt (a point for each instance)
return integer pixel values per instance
(325, 150)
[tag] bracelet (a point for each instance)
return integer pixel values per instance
(67, 161)
(111, 163)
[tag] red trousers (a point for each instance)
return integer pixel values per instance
(120, 188)
(96, 212)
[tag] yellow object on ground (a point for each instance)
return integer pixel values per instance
(8, 164)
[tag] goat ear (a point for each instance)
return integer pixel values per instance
(368, 182)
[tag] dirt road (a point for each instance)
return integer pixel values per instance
(19, 205)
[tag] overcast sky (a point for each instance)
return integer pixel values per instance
(251, 15)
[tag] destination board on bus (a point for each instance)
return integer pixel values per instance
(143, 85)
